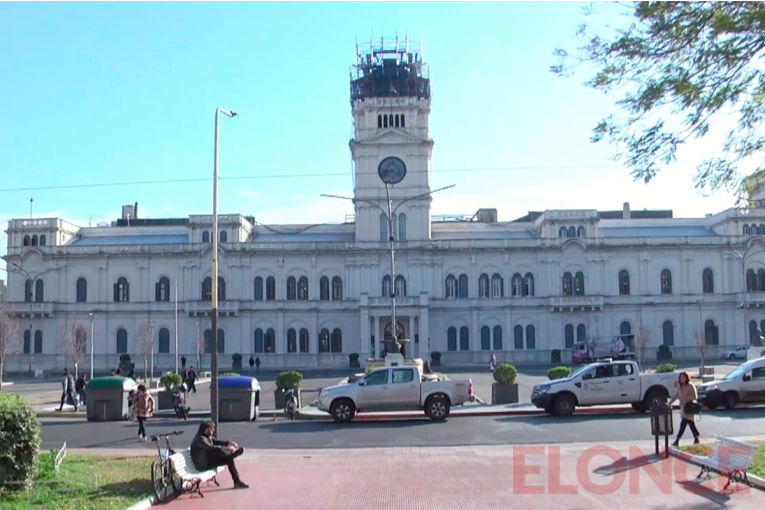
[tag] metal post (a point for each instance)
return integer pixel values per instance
(92, 342)
(176, 326)
(667, 416)
(393, 325)
(151, 370)
(214, 288)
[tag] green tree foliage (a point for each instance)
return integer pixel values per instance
(19, 442)
(680, 67)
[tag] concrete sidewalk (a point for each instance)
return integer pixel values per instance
(497, 477)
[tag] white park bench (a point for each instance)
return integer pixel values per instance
(737, 458)
(191, 477)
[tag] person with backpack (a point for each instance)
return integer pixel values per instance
(67, 390)
(143, 408)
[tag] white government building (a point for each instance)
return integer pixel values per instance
(310, 295)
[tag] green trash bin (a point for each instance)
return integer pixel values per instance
(108, 398)
(239, 397)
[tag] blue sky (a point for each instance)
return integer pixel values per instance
(124, 92)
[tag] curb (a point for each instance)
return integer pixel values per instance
(144, 504)
(757, 482)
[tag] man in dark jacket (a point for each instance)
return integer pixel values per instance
(208, 453)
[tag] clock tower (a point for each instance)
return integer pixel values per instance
(390, 103)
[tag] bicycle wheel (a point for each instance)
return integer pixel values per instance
(159, 479)
(175, 480)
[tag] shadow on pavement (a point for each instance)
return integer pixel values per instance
(301, 427)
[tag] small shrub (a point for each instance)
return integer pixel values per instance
(505, 373)
(171, 381)
(354, 356)
(665, 368)
(124, 359)
(435, 355)
(558, 373)
(287, 380)
(19, 442)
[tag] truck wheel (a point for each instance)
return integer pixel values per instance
(730, 400)
(437, 409)
(564, 405)
(639, 407)
(342, 410)
(654, 398)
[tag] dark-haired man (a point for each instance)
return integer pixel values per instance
(209, 453)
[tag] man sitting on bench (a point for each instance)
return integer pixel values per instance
(210, 453)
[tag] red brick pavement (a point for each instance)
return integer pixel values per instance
(464, 478)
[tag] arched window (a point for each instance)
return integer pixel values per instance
(162, 289)
(747, 230)
(531, 336)
(337, 289)
(485, 338)
(562, 232)
(668, 333)
(38, 342)
(383, 227)
(666, 282)
(223, 238)
(34, 240)
(462, 286)
(396, 119)
(497, 286)
(451, 287)
(625, 330)
(581, 333)
(624, 283)
(711, 333)
(568, 334)
(258, 347)
(402, 227)
(164, 341)
(258, 288)
(568, 284)
(464, 338)
(386, 286)
(122, 341)
(39, 291)
(400, 286)
(304, 342)
(708, 282)
(403, 120)
(483, 286)
(385, 121)
(28, 294)
(42, 240)
(209, 341)
(205, 236)
(761, 279)
(80, 340)
(336, 341)
(270, 288)
(324, 288)
(752, 331)
(761, 229)
(302, 289)
(517, 285)
(518, 337)
(379, 121)
(751, 281)
(580, 232)
(207, 289)
(579, 284)
(324, 340)
(497, 338)
(291, 340)
(451, 339)
(27, 341)
(27, 240)
(528, 285)
(122, 291)
(571, 232)
(270, 341)
(291, 288)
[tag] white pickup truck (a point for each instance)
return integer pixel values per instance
(604, 383)
(398, 388)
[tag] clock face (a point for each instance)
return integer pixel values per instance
(391, 170)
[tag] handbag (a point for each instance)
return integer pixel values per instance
(692, 408)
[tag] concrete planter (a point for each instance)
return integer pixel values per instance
(165, 400)
(504, 393)
(435, 362)
(280, 400)
(355, 363)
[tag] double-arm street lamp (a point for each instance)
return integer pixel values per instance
(391, 171)
(214, 277)
(92, 317)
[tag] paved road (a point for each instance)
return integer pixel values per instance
(454, 432)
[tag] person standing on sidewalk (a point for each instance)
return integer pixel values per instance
(67, 390)
(493, 362)
(143, 408)
(686, 394)
(191, 377)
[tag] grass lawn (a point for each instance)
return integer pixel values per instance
(706, 449)
(85, 482)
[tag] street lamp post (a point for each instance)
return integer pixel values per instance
(92, 341)
(151, 344)
(389, 213)
(214, 284)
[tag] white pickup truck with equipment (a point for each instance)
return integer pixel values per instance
(604, 383)
(396, 388)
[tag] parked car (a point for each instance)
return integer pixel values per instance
(604, 383)
(746, 384)
(737, 353)
(398, 388)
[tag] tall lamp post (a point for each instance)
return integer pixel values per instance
(92, 341)
(391, 170)
(214, 284)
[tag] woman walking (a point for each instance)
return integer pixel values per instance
(143, 407)
(686, 394)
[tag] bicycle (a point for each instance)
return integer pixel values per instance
(163, 475)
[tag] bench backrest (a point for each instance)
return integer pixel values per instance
(182, 462)
(739, 454)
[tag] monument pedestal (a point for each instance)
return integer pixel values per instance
(394, 360)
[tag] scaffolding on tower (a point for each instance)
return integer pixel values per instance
(389, 68)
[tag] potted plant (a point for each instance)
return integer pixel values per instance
(555, 357)
(170, 382)
(504, 390)
(285, 381)
(236, 360)
(558, 373)
(435, 359)
(354, 360)
(664, 353)
(125, 364)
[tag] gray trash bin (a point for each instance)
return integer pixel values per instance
(239, 398)
(108, 398)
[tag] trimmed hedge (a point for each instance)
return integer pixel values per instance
(290, 379)
(559, 373)
(171, 381)
(665, 368)
(19, 442)
(505, 373)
